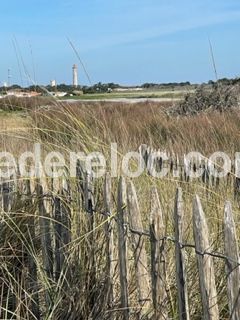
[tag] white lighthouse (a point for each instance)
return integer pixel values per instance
(75, 75)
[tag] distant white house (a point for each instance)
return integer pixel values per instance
(58, 94)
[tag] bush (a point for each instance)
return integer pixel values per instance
(217, 97)
(11, 103)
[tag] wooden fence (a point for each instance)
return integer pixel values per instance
(49, 205)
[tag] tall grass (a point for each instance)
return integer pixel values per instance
(79, 292)
(132, 124)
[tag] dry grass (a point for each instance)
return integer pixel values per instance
(132, 124)
(88, 127)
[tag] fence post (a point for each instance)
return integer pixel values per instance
(180, 258)
(6, 196)
(205, 263)
(88, 193)
(158, 270)
(58, 254)
(143, 151)
(44, 220)
(66, 211)
(176, 168)
(109, 237)
(138, 244)
(79, 194)
(32, 268)
(232, 264)
(237, 179)
(122, 245)
(10, 305)
(89, 206)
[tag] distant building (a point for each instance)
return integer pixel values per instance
(58, 94)
(75, 75)
(21, 93)
(53, 83)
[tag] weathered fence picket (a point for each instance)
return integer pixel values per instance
(109, 240)
(59, 257)
(6, 196)
(181, 275)
(89, 192)
(158, 268)
(205, 263)
(232, 267)
(237, 180)
(44, 223)
(32, 280)
(66, 213)
(89, 204)
(139, 251)
(122, 246)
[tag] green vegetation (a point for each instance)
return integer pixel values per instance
(131, 95)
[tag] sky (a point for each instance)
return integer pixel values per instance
(123, 41)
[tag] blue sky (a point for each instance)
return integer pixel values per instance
(123, 41)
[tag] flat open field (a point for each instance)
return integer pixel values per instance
(161, 94)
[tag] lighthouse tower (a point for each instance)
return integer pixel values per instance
(75, 75)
